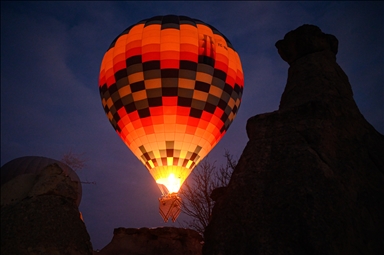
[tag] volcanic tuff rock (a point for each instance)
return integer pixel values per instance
(311, 177)
(29, 165)
(39, 215)
(156, 241)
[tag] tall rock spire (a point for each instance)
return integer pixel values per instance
(311, 178)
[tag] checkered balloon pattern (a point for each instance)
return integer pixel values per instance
(171, 87)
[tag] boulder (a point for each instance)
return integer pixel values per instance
(311, 177)
(305, 40)
(154, 241)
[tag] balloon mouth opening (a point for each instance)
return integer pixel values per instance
(169, 185)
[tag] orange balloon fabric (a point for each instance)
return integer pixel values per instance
(171, 87)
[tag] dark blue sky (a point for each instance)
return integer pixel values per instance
(50, 104)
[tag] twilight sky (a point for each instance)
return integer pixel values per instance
(50, 104)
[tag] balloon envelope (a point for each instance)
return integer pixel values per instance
(171, 87)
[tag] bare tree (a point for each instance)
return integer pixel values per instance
(225, 172)
(76, 162)
(196, 192)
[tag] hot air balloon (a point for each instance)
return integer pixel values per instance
(171, 87)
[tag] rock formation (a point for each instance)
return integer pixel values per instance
(39, 215)
(311, 177)
(34, 165)
(156, 241)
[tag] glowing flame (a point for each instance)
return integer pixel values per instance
(171, 182)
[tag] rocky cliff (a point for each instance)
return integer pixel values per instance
(311, 178)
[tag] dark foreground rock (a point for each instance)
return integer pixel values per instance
(155, 241)
(311, 178)
(39, 215)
